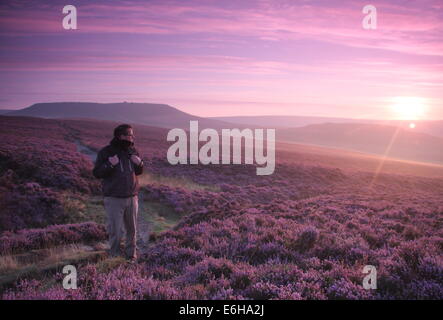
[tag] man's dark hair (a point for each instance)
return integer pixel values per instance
(121, 129)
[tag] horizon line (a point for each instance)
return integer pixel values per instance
(231, 116)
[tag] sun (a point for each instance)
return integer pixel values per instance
(409, 108)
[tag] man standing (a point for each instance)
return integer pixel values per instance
(118, 165)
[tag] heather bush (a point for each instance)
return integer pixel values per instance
(29, 239)
(343, 289)
(29, 206)
(39, 164)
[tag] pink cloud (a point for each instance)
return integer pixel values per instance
(400, 28)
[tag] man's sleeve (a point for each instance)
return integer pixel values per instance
(102, 166)
(138, 169)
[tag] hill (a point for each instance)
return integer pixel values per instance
(432, 127)
(390, 141)
(281, 121)
(151, 114)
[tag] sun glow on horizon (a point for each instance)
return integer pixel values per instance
(409, 108)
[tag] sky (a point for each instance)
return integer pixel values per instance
(228, 58)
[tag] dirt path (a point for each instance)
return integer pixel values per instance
(85, 150)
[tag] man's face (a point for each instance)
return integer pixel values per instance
(129, 135)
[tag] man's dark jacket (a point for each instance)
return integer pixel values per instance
(120, 180)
